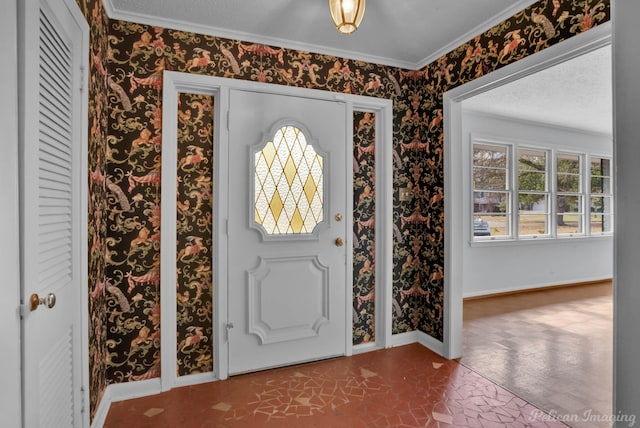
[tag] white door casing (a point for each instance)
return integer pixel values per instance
(456, 217)
(176, 82)
(54, 50)
(287, 300)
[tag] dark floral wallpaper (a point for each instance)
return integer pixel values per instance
(194, 234)
(364, 227)
(127, 61)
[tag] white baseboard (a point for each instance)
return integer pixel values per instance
(366, 347)
(195, 379)
(430, 343)
(532, 287)
(423, 339)
(123, 391)
(103, 409)
(402, 339)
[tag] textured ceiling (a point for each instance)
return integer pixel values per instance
(576, 93)
(405, 33)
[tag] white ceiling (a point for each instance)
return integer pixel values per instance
(403, 33)
(576, 94)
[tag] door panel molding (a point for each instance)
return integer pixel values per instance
(175, 82)
(266, 284)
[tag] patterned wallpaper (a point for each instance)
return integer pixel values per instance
(195, 234)
(363, 227)
(127, 61)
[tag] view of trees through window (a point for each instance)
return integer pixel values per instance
(526, 192)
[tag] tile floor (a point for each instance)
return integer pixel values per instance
(553, 348)
(407, 386)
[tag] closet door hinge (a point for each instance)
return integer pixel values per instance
(83, 397)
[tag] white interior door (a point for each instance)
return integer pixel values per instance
(50, 145)
(286, 230)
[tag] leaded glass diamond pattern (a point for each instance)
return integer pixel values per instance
(288, 184)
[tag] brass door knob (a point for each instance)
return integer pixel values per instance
(35, 301)
(339, 242)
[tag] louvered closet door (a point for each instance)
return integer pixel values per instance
(50, 213)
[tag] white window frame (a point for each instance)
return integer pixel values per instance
(591, 194)
(548, 190)
(509, 185)
(513, 147)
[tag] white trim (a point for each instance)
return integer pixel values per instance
(195, 379)
(141, 18)
(130, 390)
(401, 339)
(430, 343)
(365, 347)
(75, 11)
(168, 245)
(121, 392)
(100, 416)
(420, 337)
(10, 329)
(219, 87)
(348, 218)
(532, 287)
(453, 200)
(505, 14)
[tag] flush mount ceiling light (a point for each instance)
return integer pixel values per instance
(347, 14)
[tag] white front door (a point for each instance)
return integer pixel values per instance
(52, 134)
(287, 228)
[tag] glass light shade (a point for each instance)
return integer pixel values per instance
(347, 14)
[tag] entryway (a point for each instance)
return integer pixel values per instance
(287, 229)
(282, 223)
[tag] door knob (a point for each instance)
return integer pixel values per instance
(35, 301)
(339, 242)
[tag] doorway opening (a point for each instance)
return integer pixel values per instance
(479, 265)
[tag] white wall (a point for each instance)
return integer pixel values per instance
(493, 267)
(9, 286)
(626, 96)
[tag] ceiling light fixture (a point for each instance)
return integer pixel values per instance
(347, 14)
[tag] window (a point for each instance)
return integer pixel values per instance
(569, 202)
(601, 196)
(527, 192)
(491, 192)
(288, 184)
(533, 192)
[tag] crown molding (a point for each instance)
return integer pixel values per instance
(139, 18)
(507, 13)
(114, 13)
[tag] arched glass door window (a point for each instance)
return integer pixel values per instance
(288, 190)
